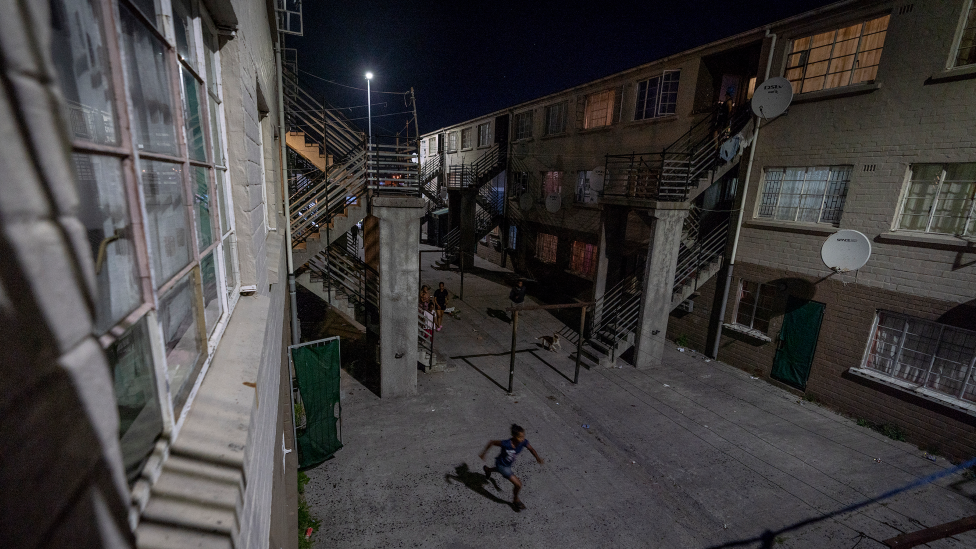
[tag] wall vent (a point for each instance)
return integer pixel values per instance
(907, 8)
(870, 167)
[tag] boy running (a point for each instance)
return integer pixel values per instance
(506, 457)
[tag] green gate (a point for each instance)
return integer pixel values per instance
(797, 342)
(318, 431)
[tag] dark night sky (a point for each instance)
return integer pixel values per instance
(464, 59)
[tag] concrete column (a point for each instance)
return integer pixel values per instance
(399, 268)
(662, 259)
(613, 228)
(469, 236)
(371, 241)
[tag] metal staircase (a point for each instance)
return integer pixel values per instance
(346, 280)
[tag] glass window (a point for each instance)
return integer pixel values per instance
(149, 8)
(838, 57)
(149, 87)
(556, 118)
(181, 338)
(583, 261)
(220, 197)
(192, 117)
(185, 35)
(104, 211)
(545, 247)
(466, 138)
(210, 57)
(81, 58)
(755, 305)
(599, 110)
(812, 195)
(523, 125)
(966, 52)
(166, 223)
(452, 142)
(212, 308)
(201, 208)
(657, 96)
(940, 199)
(230, 267)
(512, 237)
(552, 182)
(137, 398)
(484, 134)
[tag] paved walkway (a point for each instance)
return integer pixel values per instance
(692, 453)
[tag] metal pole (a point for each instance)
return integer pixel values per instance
(511, 364)
(461, 255)
(290, 265)
(328, 233)
(579, 344)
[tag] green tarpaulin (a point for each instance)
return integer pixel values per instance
(317, 370)
(797, 342)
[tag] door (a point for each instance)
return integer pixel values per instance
(501, 130)
(797, 341)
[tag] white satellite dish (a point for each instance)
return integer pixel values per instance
(553, 202)
(597, 177)
(525, 202)
(772, 97)
(846, 250)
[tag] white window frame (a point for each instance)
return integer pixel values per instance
(967, 21)
(768, 200)
(657, 105)
(755, 306)
(452, 142)
(798, 64)
(969, 226)
(556, 116)
(522, 125)
(484, 134)
(466, 143)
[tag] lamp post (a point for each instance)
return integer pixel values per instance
(369, 122)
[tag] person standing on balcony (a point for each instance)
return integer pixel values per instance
(441, 295)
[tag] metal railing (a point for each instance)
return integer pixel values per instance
(617, 313)
(693, 260)
(452, 244)
(425, 333)
(481, 171)
(323, 197)
(392, 167)
(322, 124)
(348, 274)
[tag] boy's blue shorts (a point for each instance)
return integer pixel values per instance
(503, 470)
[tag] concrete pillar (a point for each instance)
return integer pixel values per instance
(613, 228)
(371, 241)
(469, 228)
(662, 258)
(399, 268)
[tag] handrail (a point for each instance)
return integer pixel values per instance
(704, 252)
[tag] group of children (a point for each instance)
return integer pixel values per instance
(435, 303)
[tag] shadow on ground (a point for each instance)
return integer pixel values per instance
(476, 482)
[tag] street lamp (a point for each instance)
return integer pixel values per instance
(369, 121)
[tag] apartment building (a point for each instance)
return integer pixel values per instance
(145, 393)
(878, 139)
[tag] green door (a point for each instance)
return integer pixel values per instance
(797, 341)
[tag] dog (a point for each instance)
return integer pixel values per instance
(550, 343)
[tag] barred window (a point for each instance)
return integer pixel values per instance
(585, 194)
(466, 138)
(754, 306)
(940, 199)
(552, 182)
(814, 195)
(839, 57)
(583, 261)
(966, 50)
(556, 118)
(523, 125)
(545, 247)
(599, 110)
(926, 354)
(512, 237)
(657, 96)
(452, 142)
(484, 134)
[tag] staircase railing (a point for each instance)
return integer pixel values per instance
(481, 171)
(322, 124)
(393, 167)
(452, 244)
(693, 260)
(619, 312)
(321, 199)
(348, 274)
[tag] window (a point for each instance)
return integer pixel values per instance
(812, 195)
(939, 199)
(835, 58)
(556, 118)
(657, 96)
(552, 182)
(484, 134)
(583, 261)
(519, 184)
(512, 237)
(923, 353)
(174, 189)
(754, 307)
(523, 125)
(599, 110)
(466, 138)
(966, 51)
(432, 145)
(545, 247)
(452, 142)
(585, 194)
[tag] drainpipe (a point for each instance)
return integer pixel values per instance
(295, 336)
(713, 351)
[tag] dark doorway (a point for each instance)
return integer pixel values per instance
(797, 342)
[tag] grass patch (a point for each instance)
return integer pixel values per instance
(305, 518)
(682, 340)
(890, 430)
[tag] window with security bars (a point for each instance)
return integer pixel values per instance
(484, 134)
(657, 96)
(599, 110)
(545, 247)
(940, 199)
(583, 261)
(966, 50)
(812, 195)
(452, 142)
(556, 118)
(512, 237)
(838, 57)
(924, 353)
(523, 125)
(466, 138)
(754, 305)
(552, 182)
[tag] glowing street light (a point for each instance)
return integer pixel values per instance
(369, 119)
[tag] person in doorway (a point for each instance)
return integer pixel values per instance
(441, 295)
(517, 295)
(506, 458)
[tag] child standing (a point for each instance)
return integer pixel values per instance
(506, 458)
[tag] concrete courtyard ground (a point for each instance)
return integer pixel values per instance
(686, 454)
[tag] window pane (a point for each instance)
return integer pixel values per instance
(789, 197)
(771, 188)
(669, 93)
(952, 360)
(201, 208)
(140, 415)
(209, 54)
(747, 302)
(764, 309)
(211, 293)
(166, 222)
(966, 54)
(181, 337)
(81, 60)
(955, 203)
(811, 198)
(149, 8)
(887, 342)
(216, 142)
(230, 266)
(193, 120)
(183, 28)
(221, 199)
(599, 110)
(149, 87)
(105, 214)
(918, 199)
(836, 195)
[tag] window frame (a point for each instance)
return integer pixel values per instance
(838, 200)
(452, 142)
(466, 143)
(484, 134)
(968, 15)
(658, 96)
(969, 224)
(584, 256)
(558, 111)
(803, 56)
(546, 248)
(589, 109)
(522, 125)
(755, 306)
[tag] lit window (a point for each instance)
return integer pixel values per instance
(523, 125)
(584, 194)
(552, 182)
(838, 57)
(556, 118)
(599, 110)
(512, 237)
(966, 51)
(754, 306)
(939, 199)
(545, 247)
(657, 96)
(466, 138)
(452, 142)
(812, 195)
(583, 261)
(484, 134)
(923, 353)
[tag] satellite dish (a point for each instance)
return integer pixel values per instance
(553, 202)
(597, 178)
(444, 194)
(525, 202)
(772, 97)
(846, 250)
